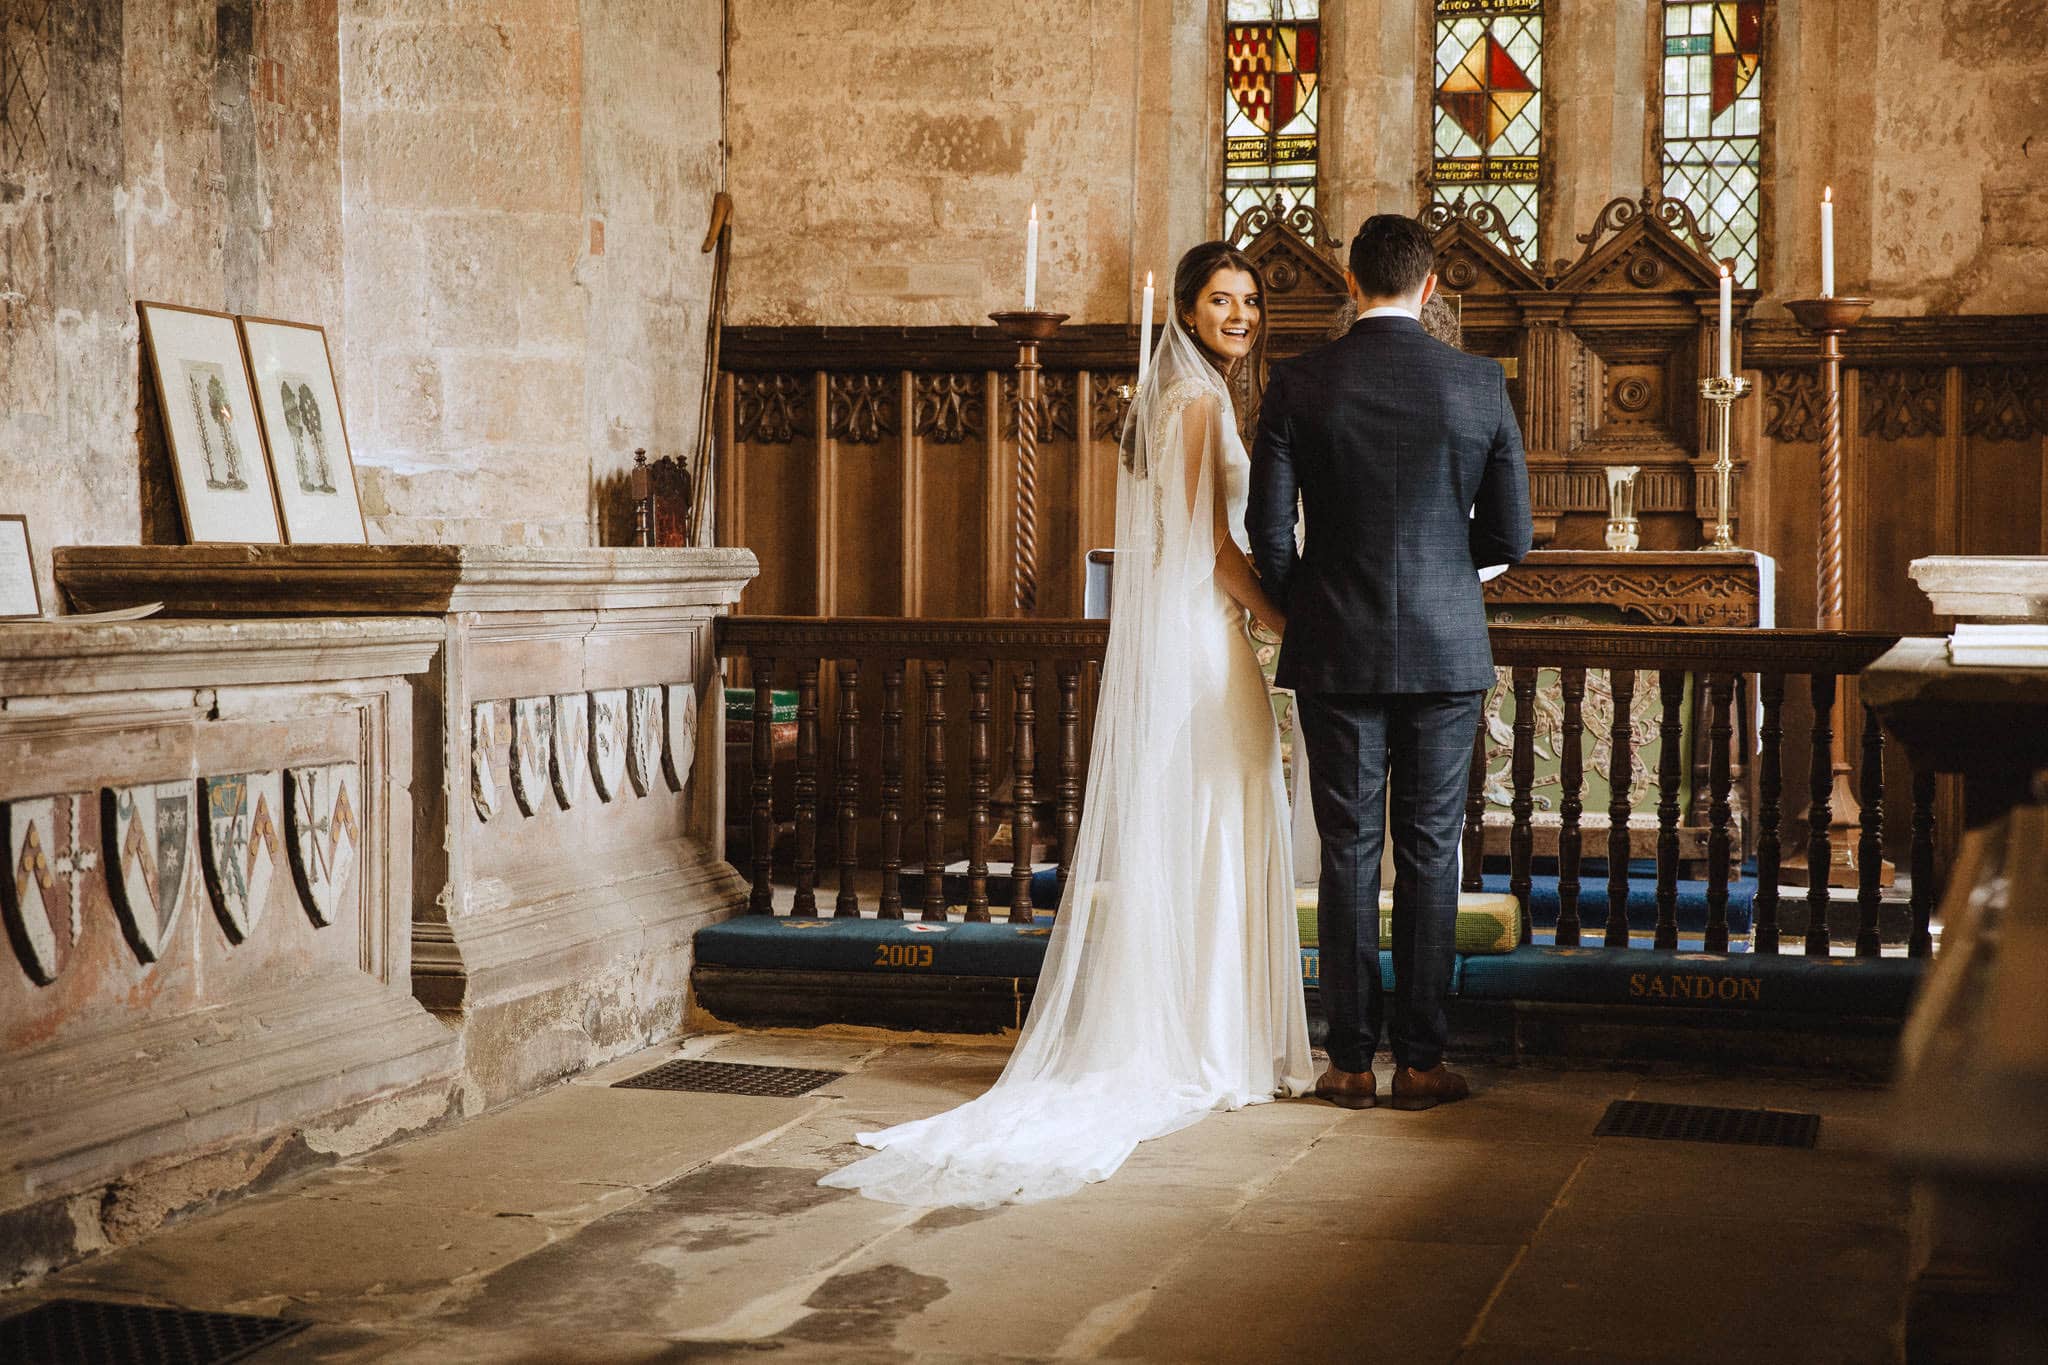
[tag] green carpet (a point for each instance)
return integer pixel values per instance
(1486, 923)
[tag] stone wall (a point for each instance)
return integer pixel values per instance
(180, 152)
(527, 186)
(507, 267)
(884, 155)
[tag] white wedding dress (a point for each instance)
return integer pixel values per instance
(1172, 980)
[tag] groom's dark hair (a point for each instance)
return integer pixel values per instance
(1391, 256)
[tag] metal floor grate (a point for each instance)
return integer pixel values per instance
(89, 1332)
(1706, 1123)
(729, 1078)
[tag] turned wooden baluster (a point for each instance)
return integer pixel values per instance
(1521, 835)
(806, 902)
(1621, 761)
(762, 899)
(934, 790)
(1671, 683)
(1024, 761)
(1820, 815)
(1720, 738)
(1070, 767)
(1770, 788)
(1921, 944)
(1473, 853)
(1571, 774)
(979, 761)
(846, 797)
(892, 792)
(1870, 839)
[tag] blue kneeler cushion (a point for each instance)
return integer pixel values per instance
(1537, 973)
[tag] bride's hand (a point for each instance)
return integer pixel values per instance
(1270, 627)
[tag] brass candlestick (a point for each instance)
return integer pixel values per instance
(1027, 327)
(1722, 390)
(1830, 319)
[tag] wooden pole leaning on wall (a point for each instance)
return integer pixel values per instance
(1830, 319)
(1028, 328)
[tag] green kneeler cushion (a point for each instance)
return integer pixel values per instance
(1487, 923)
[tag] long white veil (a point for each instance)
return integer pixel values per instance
(1115, 1050)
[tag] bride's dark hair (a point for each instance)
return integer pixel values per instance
(1194, 271)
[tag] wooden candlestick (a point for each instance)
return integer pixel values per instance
(1027, 328)
(1830, 319)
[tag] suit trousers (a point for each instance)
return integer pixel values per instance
(1414, 749)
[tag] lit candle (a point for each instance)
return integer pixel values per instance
(1145, 330)
(1031, 261)
(1827, 242)
(1727, 332)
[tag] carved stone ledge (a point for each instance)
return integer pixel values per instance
(1998, 587)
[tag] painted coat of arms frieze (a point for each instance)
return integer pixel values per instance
(323, 807)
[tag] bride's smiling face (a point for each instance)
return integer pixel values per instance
(1225, 318)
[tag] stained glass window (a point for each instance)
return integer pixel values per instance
(1713, 121)
(1489, 110)
(1271, 73)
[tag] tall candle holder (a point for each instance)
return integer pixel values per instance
(1027, 327)
(1722, 390)
(1830, 319)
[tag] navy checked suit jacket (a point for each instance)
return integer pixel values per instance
(1409, 466)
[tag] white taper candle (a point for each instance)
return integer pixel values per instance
(1727, 329)
(1031, 261)
(1827, 242)
(1145, 330)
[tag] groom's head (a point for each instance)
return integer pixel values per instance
(1392, 262)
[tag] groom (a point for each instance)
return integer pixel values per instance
(1408, 464)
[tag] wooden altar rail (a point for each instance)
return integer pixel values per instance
(1048, 661)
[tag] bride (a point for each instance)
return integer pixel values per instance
(1172, 980)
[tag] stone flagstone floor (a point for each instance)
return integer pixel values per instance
(596, 1224)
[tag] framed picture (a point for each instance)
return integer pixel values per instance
(302, 425)
(202, 388)
(19, 596)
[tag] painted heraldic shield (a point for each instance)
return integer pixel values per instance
(680, 731)
(570, 765)
(645, 734)
(147, 831)
(608, 742)
(39, 895)
(322, 824)
(244, 845)
(532, 719)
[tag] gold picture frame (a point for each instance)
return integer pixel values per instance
(219, 465)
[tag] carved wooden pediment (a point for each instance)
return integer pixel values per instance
(1473, 250)
(1304, 284)
(1650, 245)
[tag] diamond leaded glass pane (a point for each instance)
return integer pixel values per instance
(1488, 130)
(1712, 121)
(1272, 101)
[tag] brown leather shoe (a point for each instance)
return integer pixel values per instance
(1347, 1089)
(1427, 1089)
